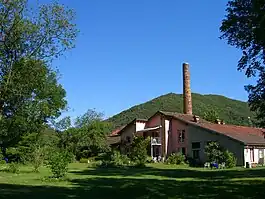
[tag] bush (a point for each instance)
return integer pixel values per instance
(230, 159)
(83, 160)
(1, 156)
(150, 159)
(37, 158)
(2, 162)
(214, 152)
(176, 158)
(115, 159)
(138, 152)
(2, 165)
(13, 167)
(58, 163)
(219, 155)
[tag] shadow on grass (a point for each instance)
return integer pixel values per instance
(101, 188)
(101, 183)
(175, 173)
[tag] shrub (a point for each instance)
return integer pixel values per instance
(37, 158)
(176, 158)
(230, 159)
(217, 154)
(138, 152)
(58, 163)
(1, 156)
(2, 165)
(2, 162)
(13, 167)
(150, 159)
(214, 152)
(83, 160)
(115, 159)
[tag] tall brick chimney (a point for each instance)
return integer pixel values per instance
(187, 102)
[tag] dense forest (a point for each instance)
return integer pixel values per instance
(230, 110)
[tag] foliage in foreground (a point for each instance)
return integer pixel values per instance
(216, 153)
(87, 137)
(30, 39)
(13, 167)
(137, 155)
(243, 27)
(138, 150)
(176, 158)
(115, 159)
(58, 163)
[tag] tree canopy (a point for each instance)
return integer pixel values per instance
(210, 115)
(30, 39)
(87, 137)
(244, 28)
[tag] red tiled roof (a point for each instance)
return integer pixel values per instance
(245, 134)
(117, 131)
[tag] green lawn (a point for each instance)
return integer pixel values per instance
(155, 181)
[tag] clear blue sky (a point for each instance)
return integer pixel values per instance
(130, 51)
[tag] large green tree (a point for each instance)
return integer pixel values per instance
(87, 137)
(32, 98)
(30, 39)
(244, 28)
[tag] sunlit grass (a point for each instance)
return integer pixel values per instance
(153, 181)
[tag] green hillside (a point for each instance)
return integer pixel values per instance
(231, 111)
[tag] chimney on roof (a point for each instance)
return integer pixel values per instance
(196, 118)
(217, 121)
(187, 103)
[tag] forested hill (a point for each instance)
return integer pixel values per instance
(231, 111)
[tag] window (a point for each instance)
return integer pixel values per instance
(128, 139)
(183, 150)
(181, 134)
(196, 145)
(196, 150)
(196, 154)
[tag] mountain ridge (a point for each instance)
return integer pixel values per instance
(232, 111)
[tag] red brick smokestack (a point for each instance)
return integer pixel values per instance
(187, 102)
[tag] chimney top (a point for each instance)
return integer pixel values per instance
(196, 118)
(217, 121)
(222, 122)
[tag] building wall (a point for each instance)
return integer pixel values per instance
(128, 132)
(197, 134)
(140, 125)
(155, 121)
(174, 145)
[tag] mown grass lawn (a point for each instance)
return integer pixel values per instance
(154, 181)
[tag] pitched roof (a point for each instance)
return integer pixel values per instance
(113, 140)
(245, 134)
(117, 131)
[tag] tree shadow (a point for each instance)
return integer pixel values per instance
(129, 188)
(175, 173)
(149, 182)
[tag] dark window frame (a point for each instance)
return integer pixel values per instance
(196, 145)
(181, 136)
(197, 152)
